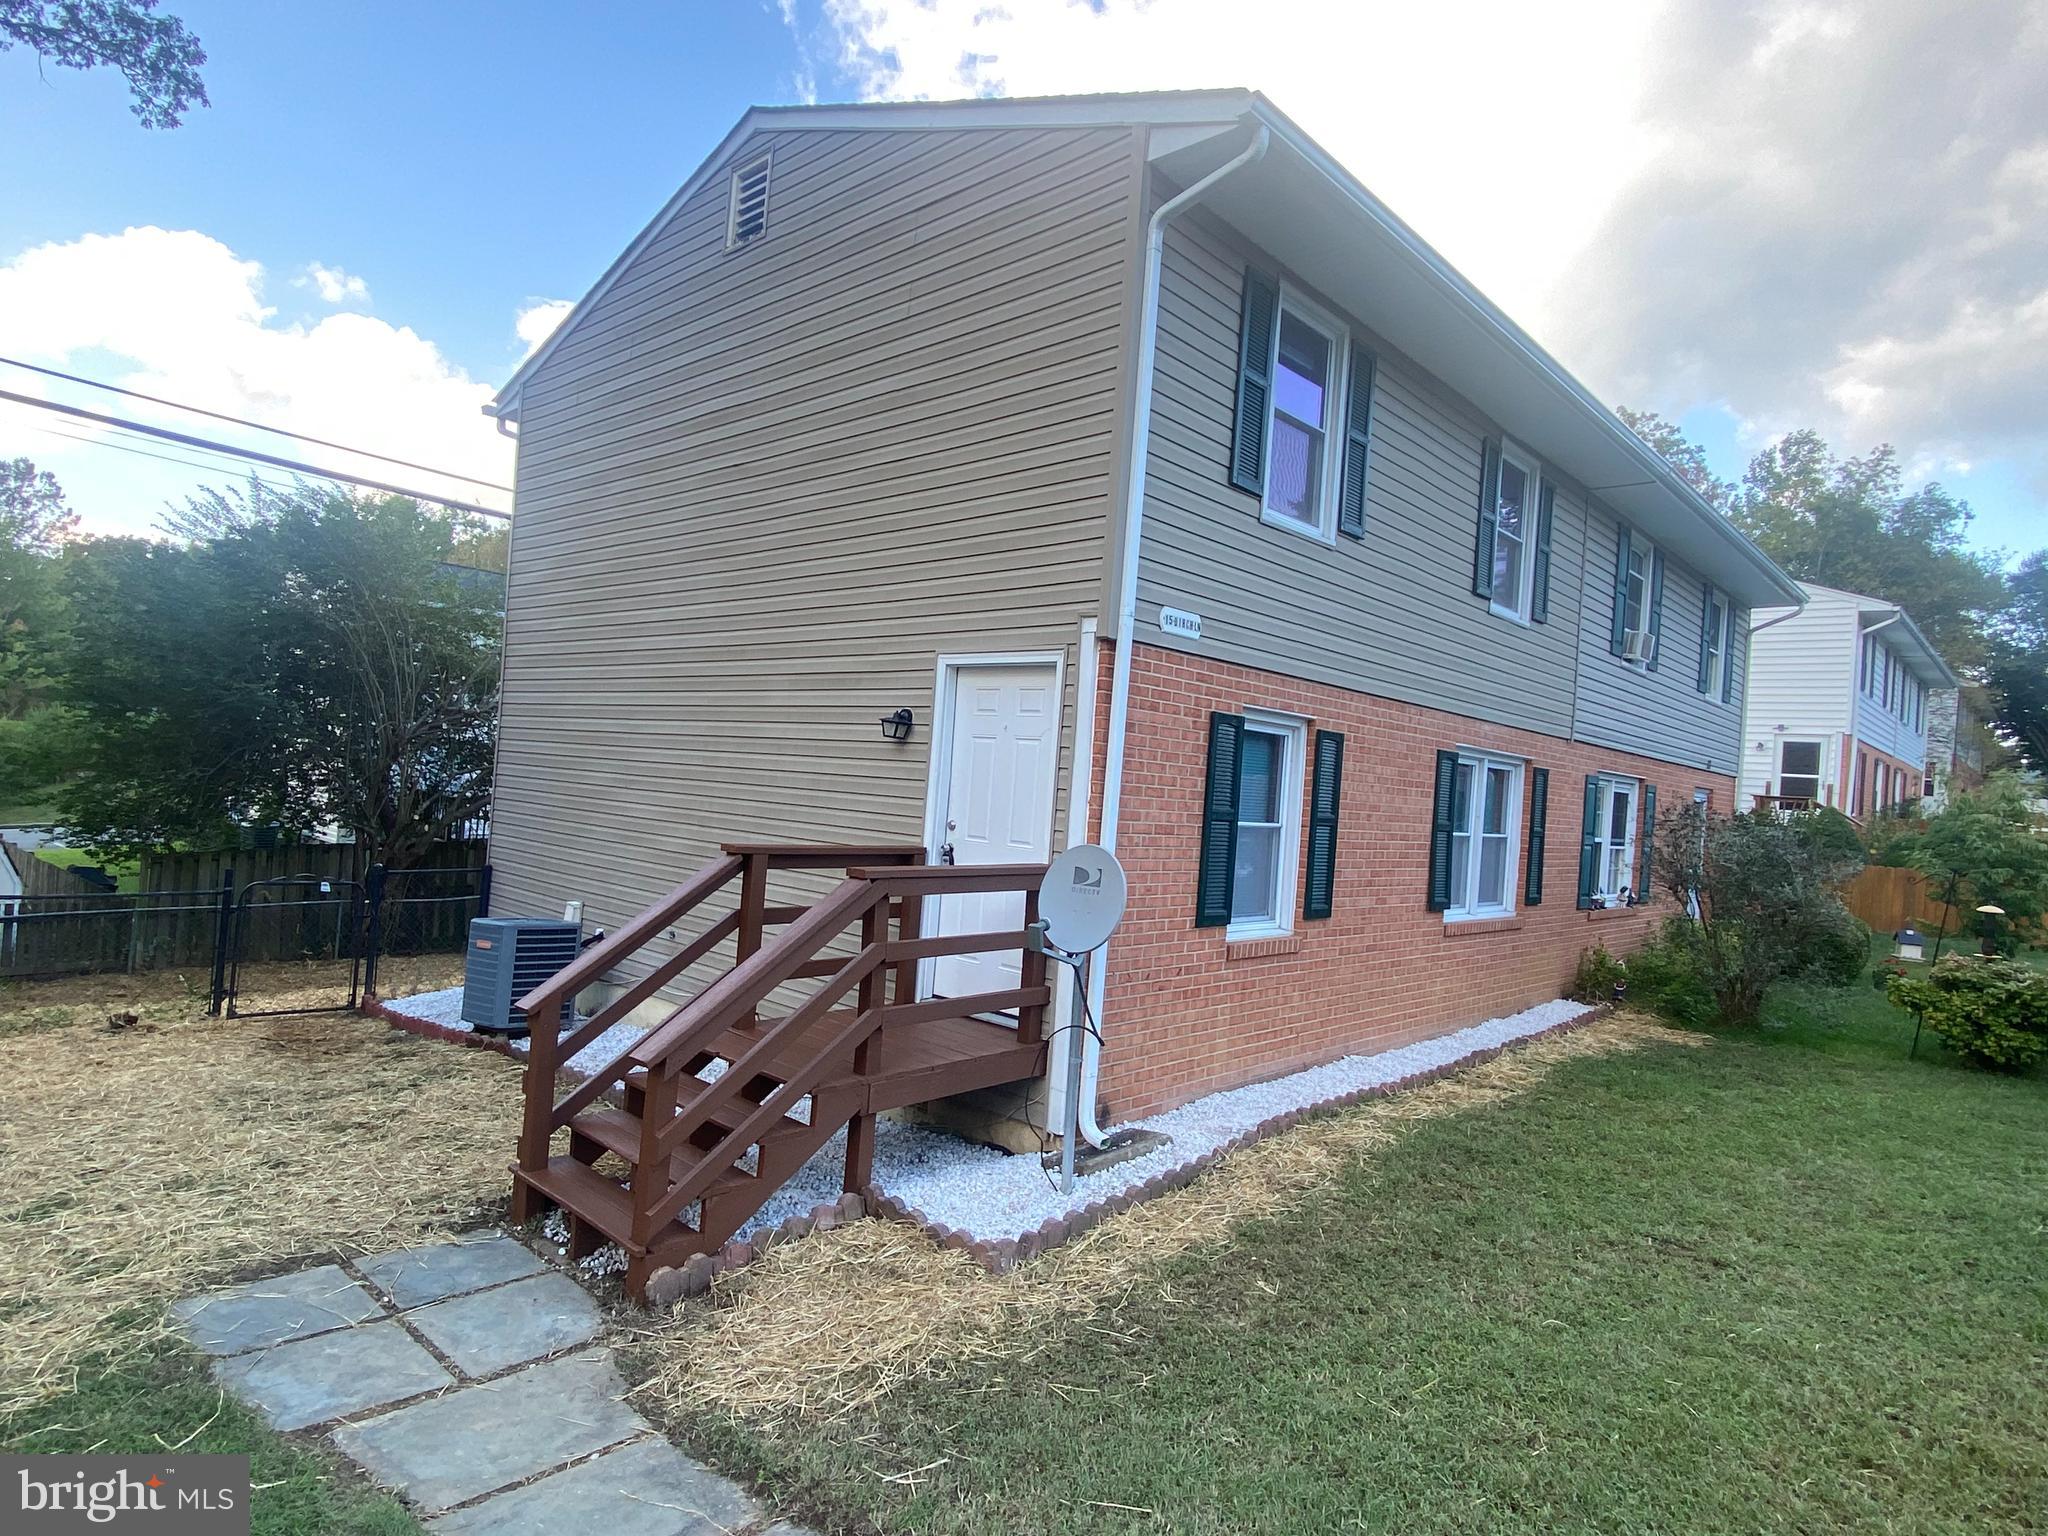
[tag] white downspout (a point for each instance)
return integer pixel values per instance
(1127, 596)
(1080, 799)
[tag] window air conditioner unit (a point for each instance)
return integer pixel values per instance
(1638, 645)
(508, 957)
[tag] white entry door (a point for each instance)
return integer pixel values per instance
(995, 808)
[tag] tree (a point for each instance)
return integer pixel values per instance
(2017, 676)
(1855, 524)
(158, 55)
(1763, 886)
(1685, 457)
(1982, 847)
(35, 527)
(297, 660)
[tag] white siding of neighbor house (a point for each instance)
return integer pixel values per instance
(1802, 684)
(761, 491)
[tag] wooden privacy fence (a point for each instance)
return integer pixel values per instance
(1890, 899)
(185, 913)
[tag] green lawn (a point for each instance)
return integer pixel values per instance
(127, 876)
(1790, 1282)
(166, 1399)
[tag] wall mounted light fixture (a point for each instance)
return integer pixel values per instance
(896, 727)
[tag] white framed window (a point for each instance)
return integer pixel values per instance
(1614, 836)
(1514, 533)
(1305, 456)
(746, 205)
(1717, 643)
(1636, 585)
(1269, 794)
(1486, 814)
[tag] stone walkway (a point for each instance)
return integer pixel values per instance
(455, 1375)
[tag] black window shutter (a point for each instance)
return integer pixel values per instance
(1539, 818)
(1645, 840)
(1539, 601)
(1489, 516)
(1617, 638)
(1219, 822)
(1325, 799)
(1440, 831)
(1589, 843)
(1254, 382)
(1357, 443)
(1656, 619)
(1706, 677)
(1728, 661)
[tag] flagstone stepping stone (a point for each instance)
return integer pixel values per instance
(310, 1381)
(412, 1277)
(487, 1331)
(648, 1488)
(272, 1311)
(449, 1449)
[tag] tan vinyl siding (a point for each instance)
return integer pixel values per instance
(1659, 714)
(1392, 615)
(762, 491)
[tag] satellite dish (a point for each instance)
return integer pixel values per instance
(1082, 898)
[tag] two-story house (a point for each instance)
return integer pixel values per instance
(995, 476)
(1839, 705)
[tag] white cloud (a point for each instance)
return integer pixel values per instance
(1495, 128)
(334, 285)
(537, 319)
(178, 314)
(1824, 212)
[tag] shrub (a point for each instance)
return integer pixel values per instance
(1599, 973)
(1664, 977)
(1764, 889)
(1992, 1013)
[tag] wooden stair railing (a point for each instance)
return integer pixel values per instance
(688, 1141)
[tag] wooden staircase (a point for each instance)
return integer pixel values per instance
(667, 1157)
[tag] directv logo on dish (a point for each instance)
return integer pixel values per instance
(196, 1496)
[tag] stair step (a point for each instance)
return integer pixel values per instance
(618, 1131)
(606, 1205)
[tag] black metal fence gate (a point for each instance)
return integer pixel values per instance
(314, 920)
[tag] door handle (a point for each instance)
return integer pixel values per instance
(946, 853)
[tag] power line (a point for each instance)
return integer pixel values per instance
(144, 453)
(243, 421)
(295, 465)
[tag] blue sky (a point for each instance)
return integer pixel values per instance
(446, 166)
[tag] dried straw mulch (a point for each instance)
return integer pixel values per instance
(143, 1161)
(822, 1328)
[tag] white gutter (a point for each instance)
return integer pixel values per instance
(1127, 597)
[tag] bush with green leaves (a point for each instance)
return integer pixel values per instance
(1662, 978)
(1599, 973)
(1992, 1012)
(1765, 889)
(1986, 846)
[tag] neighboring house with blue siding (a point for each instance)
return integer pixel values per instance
(1185, 499)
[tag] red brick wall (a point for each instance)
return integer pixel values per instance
(1185, 1018)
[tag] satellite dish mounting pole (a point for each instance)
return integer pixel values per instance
(1080, 901)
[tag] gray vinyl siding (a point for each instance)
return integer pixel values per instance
(1660, 714)
(1392, 615)
(760, 493)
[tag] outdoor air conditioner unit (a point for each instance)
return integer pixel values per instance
(508, 957)
(1638, 645)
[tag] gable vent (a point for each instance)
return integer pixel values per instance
(747, 208)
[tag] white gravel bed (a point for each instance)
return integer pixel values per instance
(993, 1195)
(443, 1009)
